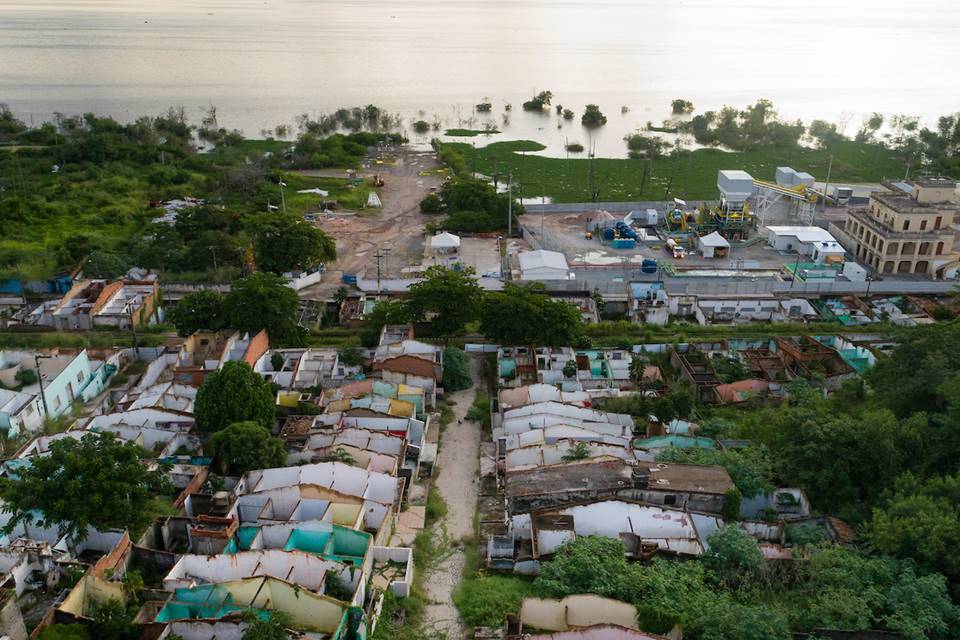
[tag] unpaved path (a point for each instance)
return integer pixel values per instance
(458, 462)
(398, 226)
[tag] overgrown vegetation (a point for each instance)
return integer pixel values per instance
(85, 189)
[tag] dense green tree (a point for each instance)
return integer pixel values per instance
(742, 622)
(478, 196)
(921, 521)
(431, 203)
(680, 106)
(539, 101)
(734, 556)
(931, 355)
(263, 301)
(351, 355)
(384, 312)
(456, 370)
(96, 481)
(526, 315)
(64, 632)
(283, 242)
(825, 133)
(843, 462)
(244, 446)
(448, 299)
(111, 620)
(751, 469)
(592, 116)
(591, 564)
(196, 311)
(235, 393)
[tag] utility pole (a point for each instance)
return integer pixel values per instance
(510, 205)
(283, 200)
(826, 185)
(381, 254)
(36, 361)
(136, 341)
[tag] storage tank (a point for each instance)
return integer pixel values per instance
(608, 234)
(803, 178)
(735, 184)
(785, 176)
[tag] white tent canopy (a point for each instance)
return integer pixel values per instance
(444, 240)
(714, 240)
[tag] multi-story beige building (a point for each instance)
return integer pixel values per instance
(908, 229)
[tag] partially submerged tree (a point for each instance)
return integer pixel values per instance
(97, 481)
(593, 117)
(680, 106)
(235, 393)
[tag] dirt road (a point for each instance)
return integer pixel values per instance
(458, 464)
(398, 226)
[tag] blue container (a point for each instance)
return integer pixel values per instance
(649, 266)
(608, 234)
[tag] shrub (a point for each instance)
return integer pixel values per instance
(575, 147)
(486, 600)
(421, 126)
(431, 203)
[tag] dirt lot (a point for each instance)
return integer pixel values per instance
(398, 226)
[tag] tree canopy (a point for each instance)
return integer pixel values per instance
(244, 446)
(449, 299)
(526, 315)
(456, 370)
(263, 301)
(96, 481)
(283, 242)
(196, 311)
(235, 393)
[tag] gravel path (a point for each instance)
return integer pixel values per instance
(458, 465)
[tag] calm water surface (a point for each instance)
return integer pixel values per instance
(262, 62)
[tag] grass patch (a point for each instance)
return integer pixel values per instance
(446, 417)
(690, 174)
(469, 133)
(157, 507)
(436, 506)
(480, 410)
(485, 600)
(399, 618)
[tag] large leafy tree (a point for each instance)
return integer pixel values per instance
(196, 311)
(526, 315)
(921, 521)
(235, 393)
(263, 301)
(448, 299)
(843, 462)
(283, 241)
(456, 370)
(931, 355)
(97, 481)
(385, 312)
(243, 446)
